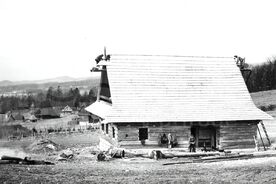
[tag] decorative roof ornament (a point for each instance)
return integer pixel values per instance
(98, 59)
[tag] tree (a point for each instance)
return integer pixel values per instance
(92, 96)
(263, 76)
(77, 97)
(49, 95)
(84, 97)
(30, 100)
(45, 104)
(59, 92)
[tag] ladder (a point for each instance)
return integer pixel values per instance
(263, 126)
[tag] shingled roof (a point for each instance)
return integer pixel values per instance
(187, 89)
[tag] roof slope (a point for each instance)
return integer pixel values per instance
(99, 108)
(67, 108)
(49, 112)
(162, 89)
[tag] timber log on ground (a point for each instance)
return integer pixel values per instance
(26, 161)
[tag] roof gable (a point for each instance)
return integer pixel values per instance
(67, 109)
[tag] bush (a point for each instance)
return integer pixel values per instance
(270, 107)
(50, 130)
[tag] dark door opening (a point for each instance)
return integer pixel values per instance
(205, 136)
(106, 129)
(143, 133)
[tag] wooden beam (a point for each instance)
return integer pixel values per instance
(261, 138)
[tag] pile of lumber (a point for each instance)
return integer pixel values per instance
(219, 158)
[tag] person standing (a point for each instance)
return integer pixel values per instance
(170, 140)
(192, 143)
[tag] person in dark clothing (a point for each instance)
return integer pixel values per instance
(192, 141)
(34, 131)
(164, 139)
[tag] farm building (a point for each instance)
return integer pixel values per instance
(142, 98)
(28, 117)
(47, 113)
(67, 110)
(6, 118)
(87, 117)
(18, 116)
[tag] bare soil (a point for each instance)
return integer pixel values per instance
(141, 170)
(85, 168)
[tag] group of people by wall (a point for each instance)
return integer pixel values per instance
(170, 141)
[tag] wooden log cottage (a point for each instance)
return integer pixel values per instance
(141, 98)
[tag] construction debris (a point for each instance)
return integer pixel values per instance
(116, 153)
(44, 146)
(156, 154)
(101, 156)
(66, 155)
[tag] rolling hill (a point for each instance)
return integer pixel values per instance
(42, 85)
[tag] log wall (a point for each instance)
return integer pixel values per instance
(128, 134)
(229, 135)
(238, 135)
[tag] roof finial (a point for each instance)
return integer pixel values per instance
(106, 57)
(104, 53)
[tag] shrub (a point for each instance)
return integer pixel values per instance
(270, 107)
(50, 130)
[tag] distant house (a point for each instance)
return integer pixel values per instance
(47, 113)
(28, 117)
(142, 98)
(3, 118)
(18, 116)
(87, 117)
(6, 118)
(67, 110)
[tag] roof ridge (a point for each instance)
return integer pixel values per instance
(158, 55)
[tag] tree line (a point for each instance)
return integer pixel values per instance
(50, 98)
(263, 76)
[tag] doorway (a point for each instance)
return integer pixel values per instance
(205, 136)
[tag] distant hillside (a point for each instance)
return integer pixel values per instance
(266, 101)
(57, 79)
(264, 98)
(61, 79)
(6, 83)
(42, 85)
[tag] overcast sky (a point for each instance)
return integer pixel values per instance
(48, 38)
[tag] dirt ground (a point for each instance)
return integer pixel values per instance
(85, 169)
(143, 170)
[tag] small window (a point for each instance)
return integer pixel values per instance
(143, 133)
(113, 132)
(106, 130)
(102, 127)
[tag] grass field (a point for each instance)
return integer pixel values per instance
(67, 140)
(49, 123)
(266, 99)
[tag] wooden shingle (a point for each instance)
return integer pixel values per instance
(186, 89)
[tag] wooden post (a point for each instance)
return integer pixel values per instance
(261, 138)
(256, 143)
